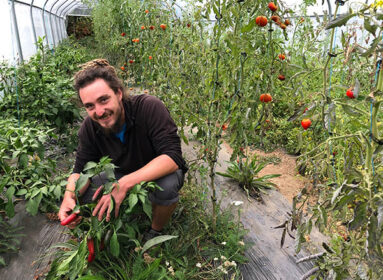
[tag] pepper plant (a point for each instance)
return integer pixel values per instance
(100, 242)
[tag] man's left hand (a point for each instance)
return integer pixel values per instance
(104, 204)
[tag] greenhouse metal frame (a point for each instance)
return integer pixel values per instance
(31, 20)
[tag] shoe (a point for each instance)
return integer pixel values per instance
(150, 234)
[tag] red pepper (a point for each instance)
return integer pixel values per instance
(69, 219)
(90, 243)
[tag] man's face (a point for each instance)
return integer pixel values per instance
(103, 105)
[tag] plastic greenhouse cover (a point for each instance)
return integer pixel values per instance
(49, 25)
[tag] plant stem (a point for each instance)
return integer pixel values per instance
(325, 91)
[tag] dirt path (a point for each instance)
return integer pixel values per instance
(290, 182)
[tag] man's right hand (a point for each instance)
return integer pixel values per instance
(69, 200)
(66, 208)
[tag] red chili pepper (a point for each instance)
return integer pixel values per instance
(69, 219)
(90, 243)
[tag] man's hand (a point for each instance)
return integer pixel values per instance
(103, 205)
(66, 208)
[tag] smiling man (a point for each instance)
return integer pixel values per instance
(137, 133)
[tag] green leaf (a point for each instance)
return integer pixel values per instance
(249, 26)
(152, 267)
(21, 192)
(2, 261)
(114, 245)
(133, 199)
(109, 171)
(63, 267)
(370, 28)
(350, 110)
(360, 216)
(339, 21)
(10, 209)
(32, 206)
(90, 165)
(10, 192)
(157, 240)
(57, 192)
(344, 200)
(374, 45)
(82, 181)
(336, 193)
(23, 160)
(323, 215)
(91, 277)
(147, 207)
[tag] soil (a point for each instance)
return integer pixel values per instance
(290, 183)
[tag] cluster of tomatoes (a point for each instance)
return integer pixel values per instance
(137, 40)
(262, 20)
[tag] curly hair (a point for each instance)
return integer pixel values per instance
(98, 69)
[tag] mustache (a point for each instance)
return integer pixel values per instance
(103, 116)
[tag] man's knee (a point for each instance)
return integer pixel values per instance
(170, 185)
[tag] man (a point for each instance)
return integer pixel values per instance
(137, 133)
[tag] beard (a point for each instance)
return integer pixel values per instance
(118, 124)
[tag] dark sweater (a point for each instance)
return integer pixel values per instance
(150, 132)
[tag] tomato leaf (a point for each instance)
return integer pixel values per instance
(350, 110)
(372, 48)
(336, 193)
(360, 215)
(330, 117)
(370, 27)
(339, 21)
(248, 27)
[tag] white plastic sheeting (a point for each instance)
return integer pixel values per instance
(24, 22)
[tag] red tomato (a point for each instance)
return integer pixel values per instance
(163, 26)
(281, 56)
(350, 94)
(276, 18)
(272, 7)
(306, 123)
(287, 22)
(261, 21)
(265, 98)
(281, 77)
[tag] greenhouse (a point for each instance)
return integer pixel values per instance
(170, 139)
